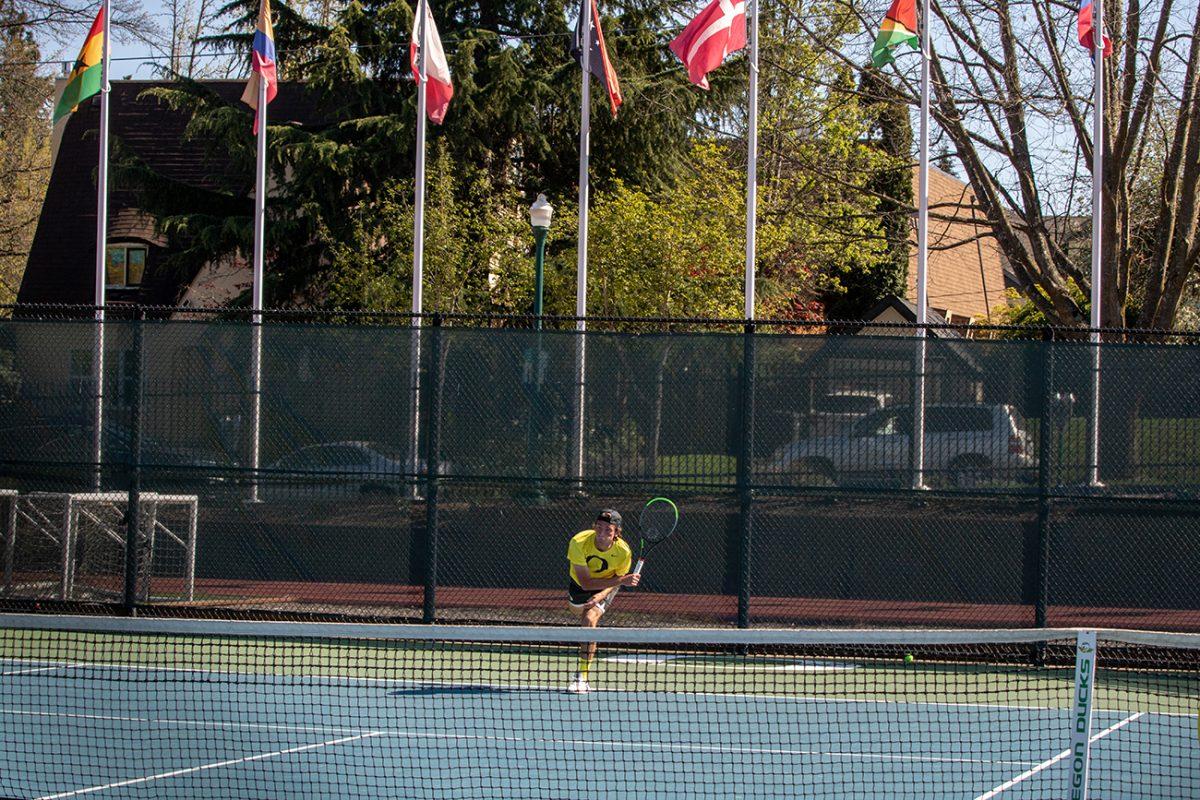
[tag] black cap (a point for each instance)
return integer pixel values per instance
(611, 516)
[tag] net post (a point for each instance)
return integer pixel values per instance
(433, 402)
(1079, 754)
(9, 500)
(133, 509)
(745, 474)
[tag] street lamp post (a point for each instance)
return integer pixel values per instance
(540, 214)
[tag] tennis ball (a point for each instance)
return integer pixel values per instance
(908, 658)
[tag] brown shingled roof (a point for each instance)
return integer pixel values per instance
(966, 268)
(62, 256)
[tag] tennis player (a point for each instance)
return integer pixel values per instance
(599, 563)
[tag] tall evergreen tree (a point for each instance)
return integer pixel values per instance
(515, 116)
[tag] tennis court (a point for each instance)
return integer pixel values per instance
(305, 712)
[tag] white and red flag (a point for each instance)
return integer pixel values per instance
(717, 31)
(438, 88)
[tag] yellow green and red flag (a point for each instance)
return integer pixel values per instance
(86, 78)
(899, 27)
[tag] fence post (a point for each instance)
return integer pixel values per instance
(433, 406)
(1045, 431)
(745, 474)
(133, 532)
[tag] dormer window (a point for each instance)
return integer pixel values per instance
(125, 265)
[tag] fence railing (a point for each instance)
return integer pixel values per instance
(449, 491)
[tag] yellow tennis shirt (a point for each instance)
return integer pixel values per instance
(600, 563)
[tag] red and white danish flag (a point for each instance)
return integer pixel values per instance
(717, 31)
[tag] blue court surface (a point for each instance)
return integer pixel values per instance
(74, 730)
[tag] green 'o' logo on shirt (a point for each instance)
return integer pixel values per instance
(603, 564)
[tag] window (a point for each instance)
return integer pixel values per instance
(882, 424)
(125, 265)
(849, 403)
(958, 419)
(893, 422)
(885, 426)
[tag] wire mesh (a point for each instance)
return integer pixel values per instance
(806, 452)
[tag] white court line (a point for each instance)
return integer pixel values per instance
(534, 740)
(202, 767)
(701, 748)
(1052, 761)
(32, 670)
(186, 723)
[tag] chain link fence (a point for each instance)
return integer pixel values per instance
(436, 471)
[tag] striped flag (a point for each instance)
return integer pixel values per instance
(438, 87)
(87, 76)
(1087, 29)
(899, 27)
(262, 61)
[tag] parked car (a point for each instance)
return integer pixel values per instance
(835, 412)
(965, 445)
(63, 456)
(342, 469)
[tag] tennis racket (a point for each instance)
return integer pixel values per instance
(656, 522)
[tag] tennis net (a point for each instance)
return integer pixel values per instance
(177, 708)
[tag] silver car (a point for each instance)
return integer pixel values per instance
(340, 470)
(965, 446)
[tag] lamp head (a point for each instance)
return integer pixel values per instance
(540, 212)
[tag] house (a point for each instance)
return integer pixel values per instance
(966, 269)
(61, 266)
(903, 314)
(207, 364)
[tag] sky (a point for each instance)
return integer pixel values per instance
(131, 57)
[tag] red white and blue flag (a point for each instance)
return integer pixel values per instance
(1087, 29)
(717, 31)
(262, 62)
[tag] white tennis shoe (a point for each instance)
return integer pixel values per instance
(579, 686)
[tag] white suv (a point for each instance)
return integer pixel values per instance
(965, 445)
(835, 412)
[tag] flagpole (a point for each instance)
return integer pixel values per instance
(101, 253)
(256, 289)
(418, 249)
(752, 164)
(585, 122)
(918, 437)
(1097, 231)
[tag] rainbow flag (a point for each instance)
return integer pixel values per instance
(262, 61)
(86, 78)
(899, 27)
